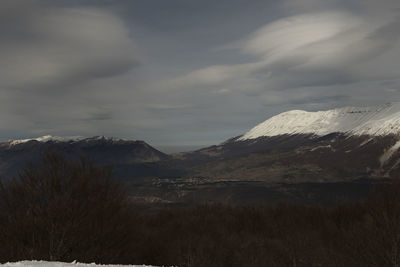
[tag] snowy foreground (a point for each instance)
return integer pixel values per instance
(61, 264)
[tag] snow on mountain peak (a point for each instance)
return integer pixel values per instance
(47, 138)
(378, 120)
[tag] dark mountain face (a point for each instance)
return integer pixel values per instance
(299, 168)
(103, 151)
(297, 158)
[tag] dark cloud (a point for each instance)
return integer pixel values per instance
(43, 47)
(100, 116)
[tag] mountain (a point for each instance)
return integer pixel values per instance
(298, 146)
(127, 157)
(324, 156)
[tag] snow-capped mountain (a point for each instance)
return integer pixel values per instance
(128, 157)
(376, 121)
(60, 139)
(333, 145)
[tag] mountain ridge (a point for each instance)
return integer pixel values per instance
(128, 157)
(60, 139)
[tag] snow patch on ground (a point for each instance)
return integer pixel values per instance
(321, 147)
(365, 142)
(389, 153)
(61, 264)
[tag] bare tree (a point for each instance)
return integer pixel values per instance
(64, 210)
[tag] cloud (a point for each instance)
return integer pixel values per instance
(52, 48)
(287, 37)
(313, 49)
(53, 60)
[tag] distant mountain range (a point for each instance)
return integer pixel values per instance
(294, 148)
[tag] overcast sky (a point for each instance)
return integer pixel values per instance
(189, 73)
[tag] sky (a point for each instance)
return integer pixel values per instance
(184, 74)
